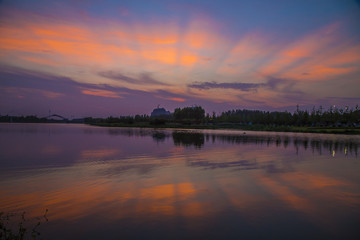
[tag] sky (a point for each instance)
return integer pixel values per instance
(81, 58)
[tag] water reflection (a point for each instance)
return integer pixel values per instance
(159, 136)
(48, 146)
(187, 138)
(144, 183)
(347, 145)
(319, 144)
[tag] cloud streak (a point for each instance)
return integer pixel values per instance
(24, 91)
(144, 78)
(144, 61)
(272, 83)
(100, 93)
(237, 86)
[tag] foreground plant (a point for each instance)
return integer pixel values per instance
(14, 226)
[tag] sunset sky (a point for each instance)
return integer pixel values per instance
(82, 58)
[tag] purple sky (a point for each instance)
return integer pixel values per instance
(101, 58)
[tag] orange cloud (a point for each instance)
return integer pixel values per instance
(247, 54)
(320, 72)
(177, 99)
(78, 45)
(39, 61)
(345, 55)
(84, 51)
(50, 94)
(188, 60)
(61, 32)
(162, 40)
(196, 40)
(177, 55)
(200, 34)
(100, 93)
(317, 56)
(163, 55)
(69, 45)
(30, 45)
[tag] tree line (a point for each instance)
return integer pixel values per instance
(334, 116)
(316, 117)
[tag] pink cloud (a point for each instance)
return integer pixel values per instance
(318, 56)
(177, 99)
(20, 92)
(176, 56)
(100, 93)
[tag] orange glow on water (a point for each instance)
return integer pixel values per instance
(101, 153)
(76, 191)
(158, 192)
(312, 181)
(285, 194)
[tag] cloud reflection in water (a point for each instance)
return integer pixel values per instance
(192, 183)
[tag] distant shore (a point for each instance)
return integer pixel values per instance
(302, 129)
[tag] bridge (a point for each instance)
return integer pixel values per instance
(61, 118)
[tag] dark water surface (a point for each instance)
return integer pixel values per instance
(129, 183)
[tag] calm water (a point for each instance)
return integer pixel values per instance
(114, 183)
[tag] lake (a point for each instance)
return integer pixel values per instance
(132, 183)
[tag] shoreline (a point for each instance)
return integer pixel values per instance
(326, 130)
(263, 128)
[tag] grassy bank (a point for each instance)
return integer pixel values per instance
(329, 130)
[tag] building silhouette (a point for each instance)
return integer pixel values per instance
(160, 112)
